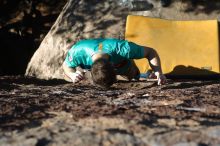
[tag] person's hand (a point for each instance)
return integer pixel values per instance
(161, 79)
(76, 76)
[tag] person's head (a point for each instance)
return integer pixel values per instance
(103, 73)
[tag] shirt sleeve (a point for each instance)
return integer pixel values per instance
(131, 50)
(69, 60)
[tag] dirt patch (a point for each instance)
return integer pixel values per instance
(181, 112)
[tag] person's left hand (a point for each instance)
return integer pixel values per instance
(76, 76)
(161, 79)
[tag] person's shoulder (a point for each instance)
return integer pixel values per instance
(86, 42)
(113, 40)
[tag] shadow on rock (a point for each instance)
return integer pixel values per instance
(185, 85)
(30, 80)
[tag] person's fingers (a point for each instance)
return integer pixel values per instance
(79, 72)
(159, 81)
(163, 80)
(78, 78)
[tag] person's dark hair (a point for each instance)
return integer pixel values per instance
(103, 73)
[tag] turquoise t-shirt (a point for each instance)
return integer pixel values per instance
(119, 51)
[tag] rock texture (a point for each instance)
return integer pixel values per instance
(79, 19)
(102, 18)
(55, 113)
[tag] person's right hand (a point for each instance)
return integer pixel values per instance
(161, 79)
(76, 76)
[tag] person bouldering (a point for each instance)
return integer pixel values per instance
(106, 58)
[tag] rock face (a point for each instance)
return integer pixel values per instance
(79, 19)
(38, 112)
(101, 18)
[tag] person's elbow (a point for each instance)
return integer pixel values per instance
(149, 53)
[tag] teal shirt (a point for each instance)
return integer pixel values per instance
(81, 53)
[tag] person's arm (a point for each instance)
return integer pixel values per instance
(154, 61)
(74, 75)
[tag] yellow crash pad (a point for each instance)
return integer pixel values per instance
(185, 47)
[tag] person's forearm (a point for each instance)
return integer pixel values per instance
(154, 61)
(68, 70)
(73, 74)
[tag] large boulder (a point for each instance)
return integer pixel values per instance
(78, 19)
(99, 18)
